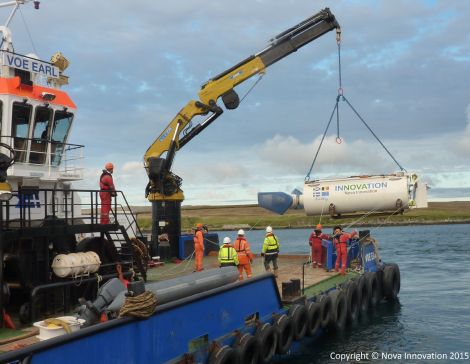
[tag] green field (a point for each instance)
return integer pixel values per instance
(248, 216)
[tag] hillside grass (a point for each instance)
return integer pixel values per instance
(247, 216)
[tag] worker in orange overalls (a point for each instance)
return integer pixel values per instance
(340, 239)
(245, 256)
(107, 192)
(198, 247)
(315, 241)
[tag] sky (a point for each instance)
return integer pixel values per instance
(135, 64)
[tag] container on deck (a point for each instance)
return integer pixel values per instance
(48, 331)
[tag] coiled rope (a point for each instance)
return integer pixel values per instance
(141, 256)
(141, 306)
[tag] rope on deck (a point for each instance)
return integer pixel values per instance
(141, 257)
(141, 306)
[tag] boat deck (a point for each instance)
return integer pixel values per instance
(290, 267)
(17, 339)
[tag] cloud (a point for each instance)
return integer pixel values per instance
(133, 69)
(290, 155)
(463, 143)
(132, 166)
(446, 194)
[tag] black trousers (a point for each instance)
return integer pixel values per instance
(270, 258)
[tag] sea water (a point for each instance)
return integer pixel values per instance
(431, 321)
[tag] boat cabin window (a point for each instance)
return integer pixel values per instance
(20, 122)
(62, 122)
(25, 77)
(40, 138)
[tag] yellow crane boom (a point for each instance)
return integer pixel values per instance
(164, 187)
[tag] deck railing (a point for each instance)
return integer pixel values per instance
(32, 206)
(65, 158)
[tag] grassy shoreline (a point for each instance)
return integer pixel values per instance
(252, 216)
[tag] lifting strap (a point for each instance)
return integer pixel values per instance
(339, 97)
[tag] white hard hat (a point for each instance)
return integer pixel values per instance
(241, 232)
(227, 240)
(269, 229)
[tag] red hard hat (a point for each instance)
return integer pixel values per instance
(319, 227)
(199, 225)
(109, 165)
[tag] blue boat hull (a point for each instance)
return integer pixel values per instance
(170, 332)
(190, 328)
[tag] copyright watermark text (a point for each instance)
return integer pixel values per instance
(393, 356)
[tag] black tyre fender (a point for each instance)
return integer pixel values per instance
(223, 355)
(391, 281)
(373, 283)
(285, 333)
(267, 343)
(313, 318)
(339, 311)
(326, 308)
(247, 350)
(298, 314)
(380, 280)
(25, 313)
(363, 290)
(353, 301)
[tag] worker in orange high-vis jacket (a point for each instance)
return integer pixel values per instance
(107, 192)
(245, 256)
(315, 241)
(198, 247)
(340, 239)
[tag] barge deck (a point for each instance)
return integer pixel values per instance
(291, 267)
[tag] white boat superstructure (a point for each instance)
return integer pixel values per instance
(36, 121)
(44, 222)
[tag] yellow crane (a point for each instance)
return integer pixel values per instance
(164, 187)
